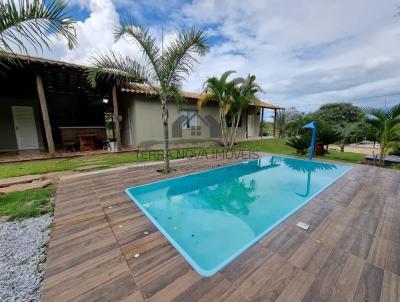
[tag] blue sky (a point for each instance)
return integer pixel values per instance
(304, 53)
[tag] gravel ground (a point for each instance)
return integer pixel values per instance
(22, 258)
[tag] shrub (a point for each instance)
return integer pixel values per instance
(396, 150)
(300, 143)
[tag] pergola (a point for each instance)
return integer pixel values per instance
(264, 105)
(43, 78)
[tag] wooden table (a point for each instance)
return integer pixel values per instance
(84, 137)
(87, 142)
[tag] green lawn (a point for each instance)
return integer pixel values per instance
(66, 164)
(278, 146)
(30, 203)
(275, 146)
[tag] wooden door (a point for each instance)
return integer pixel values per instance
(25, 128)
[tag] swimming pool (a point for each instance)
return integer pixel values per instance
(211, 217)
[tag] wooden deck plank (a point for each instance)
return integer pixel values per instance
(390, 287)
(370, 284)
(351, 250)
(322, 287)
(348, 280)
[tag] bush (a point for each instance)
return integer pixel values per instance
(300, 143)
(396, 151)
(327, 136)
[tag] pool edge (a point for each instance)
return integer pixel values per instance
(195, 266)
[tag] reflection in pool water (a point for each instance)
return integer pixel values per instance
(213, 216)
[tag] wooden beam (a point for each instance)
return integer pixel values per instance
(45, 115)
(261, 122)
(274, 122)
(247, 123)
(117, 130)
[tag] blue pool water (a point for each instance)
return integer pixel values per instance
(213, 216)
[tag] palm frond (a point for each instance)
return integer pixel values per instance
(34, 23)
(174, 94)
(219, 86)
(225, 75)
(375, 113)
(113, 66)
(204, 99)
(179, 59)
(146, 42)
(394, 113)
(244, 92)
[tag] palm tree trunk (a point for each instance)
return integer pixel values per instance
(382, 155)
(233, 123)
(236, 126)
(165, 132)
(223, 126)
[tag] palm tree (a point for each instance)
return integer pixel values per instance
(219, 90)
(296, 123)
(163, 71)
(282, 122)
(33, 24)
(386, 122)
(345, 131)
(244, 93)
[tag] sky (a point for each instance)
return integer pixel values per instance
(304, 53)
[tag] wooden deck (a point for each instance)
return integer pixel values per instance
(350, 253)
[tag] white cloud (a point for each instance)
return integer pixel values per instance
(376, 62)
(303, 53)
(306, 52)
(95, 34)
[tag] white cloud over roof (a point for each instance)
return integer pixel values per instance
(304, 52)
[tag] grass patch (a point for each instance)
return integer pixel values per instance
(30, 203)
(67, 164)
(278, 146)
(344, 156)
(274, 146)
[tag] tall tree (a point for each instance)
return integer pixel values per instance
(163, 71)
(244, 94)
(339, 113)
(33, 23)
(219, 90)
(386, 122)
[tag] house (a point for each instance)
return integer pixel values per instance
(48, 105)
(141, 119)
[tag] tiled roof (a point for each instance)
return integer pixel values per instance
(266, 105)
(138, 89)
(44, 61)
(141, 89)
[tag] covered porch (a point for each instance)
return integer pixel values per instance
(255, 116)
(48, 109)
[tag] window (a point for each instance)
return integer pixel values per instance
(191, 119)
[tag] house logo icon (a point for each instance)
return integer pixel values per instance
(189, 120)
